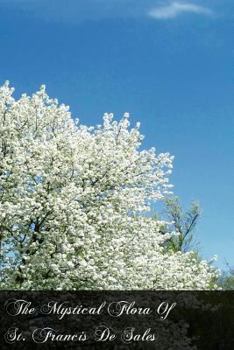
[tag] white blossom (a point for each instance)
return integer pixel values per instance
(73, 203)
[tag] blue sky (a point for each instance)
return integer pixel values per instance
(169, 63)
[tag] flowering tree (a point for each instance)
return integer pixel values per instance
(73, 201)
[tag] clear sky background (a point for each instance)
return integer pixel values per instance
(169, 63)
